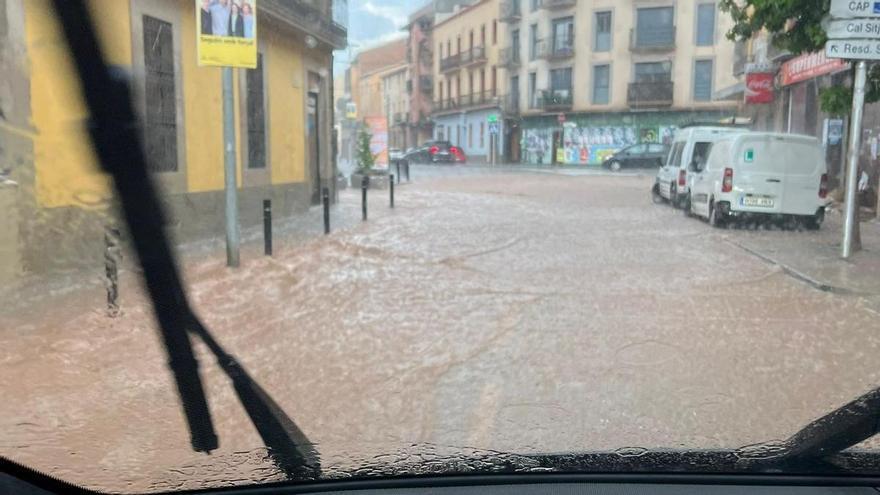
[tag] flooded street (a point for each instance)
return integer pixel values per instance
(510, 312)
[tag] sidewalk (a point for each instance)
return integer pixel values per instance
(814, 257)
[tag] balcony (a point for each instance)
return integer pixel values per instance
(561, 50)
(551, 100)
(401, 118)
(445, 104)
(509, 11)
(308, 19)
(557, 4)
(509, 58)
(510, 104)
(475, 56)
(649, 94)
(652, 40)
(476, 99)
(450, 63)
(426, 84)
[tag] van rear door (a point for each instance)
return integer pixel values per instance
(758, 173)
(804, 166)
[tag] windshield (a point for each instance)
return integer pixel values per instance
(219, 267)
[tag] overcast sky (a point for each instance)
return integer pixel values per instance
(371, 22)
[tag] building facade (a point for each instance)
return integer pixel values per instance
(588, 77)
(396, 100)
(469, 85)
(420, 86)
(283, 122)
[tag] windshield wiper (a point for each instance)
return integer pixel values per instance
(113, 130)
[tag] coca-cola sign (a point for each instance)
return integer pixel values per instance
(759, 87)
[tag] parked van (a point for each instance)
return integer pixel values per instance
(688, 144)
(761, 173)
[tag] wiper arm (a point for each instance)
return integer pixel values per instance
(838, 430)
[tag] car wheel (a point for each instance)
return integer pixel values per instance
(674, 200)
(614, 166)
(685, 205)
(815, 222)
(716, 219)
(655, 194)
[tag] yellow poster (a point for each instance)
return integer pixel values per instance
(227, 33)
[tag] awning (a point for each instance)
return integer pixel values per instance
(733, 92)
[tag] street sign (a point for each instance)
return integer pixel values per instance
(492, 119)
(853, 28)
(855, 49)
(493, 127)
(849, 9)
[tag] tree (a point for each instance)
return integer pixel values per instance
(796, 26)
(365, 158)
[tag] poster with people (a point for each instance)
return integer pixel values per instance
(227, 33)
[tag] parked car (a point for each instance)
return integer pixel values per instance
(761, 174)
(394, 154)
(638, 155)
(688, 144)
(436, 152)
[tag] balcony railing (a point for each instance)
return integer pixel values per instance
(509, 58)
(476, 55)
(450, 103)
(555, 99)
(562, 49)
(557, 4)
(649, 94)
(652, 40)
(307, 18)
(451, 62)
(477, 99)
(509, 11)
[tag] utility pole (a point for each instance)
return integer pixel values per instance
(851, 241)
(229, 168)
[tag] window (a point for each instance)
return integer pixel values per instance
(448, 48)
(470, 135)
(494, 81)
(482, 137)
(563, 35)
(440, 90)
(647, 72)
(533, 41)
(514, 44)
(471, 82)
(703, 80)
(256, 116)
(160, 115)
(534, 5)
(560, 80)
(532, 92)
(654, 27)
(494, 31)
(458, 43)
(482, 82)
(440, 50)
(601, 84)
(655, 148)
(483, 35)
(602, 32)
(705, 24)
(699, 155)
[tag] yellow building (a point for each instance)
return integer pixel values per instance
(468, 83)
(588, 77)
(283, 117)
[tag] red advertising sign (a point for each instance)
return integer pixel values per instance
(759, 87)
(809, 66)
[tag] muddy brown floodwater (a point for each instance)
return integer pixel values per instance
(504, 312)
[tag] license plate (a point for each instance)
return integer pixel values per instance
(759, 202)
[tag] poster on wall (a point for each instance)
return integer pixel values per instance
(226, 33)
(378, 128)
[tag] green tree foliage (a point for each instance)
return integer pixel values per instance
(796, 26)
(365, 158)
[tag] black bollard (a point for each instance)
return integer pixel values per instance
(365, 183)
(325, 198)
(391, 188)
(406, 166)
(111, 270)
(267, 227)
(398, 171)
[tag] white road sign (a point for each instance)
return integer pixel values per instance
(853, 29)
(848, 9)
(854, 49)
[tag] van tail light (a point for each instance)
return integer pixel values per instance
(727, 183)
(823, 186)
(433, 150)
(682, 177)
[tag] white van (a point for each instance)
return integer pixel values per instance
(761, 173)
(689, 143)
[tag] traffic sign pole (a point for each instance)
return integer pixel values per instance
(858, 103)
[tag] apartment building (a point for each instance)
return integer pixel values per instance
(396, 101)
(420, 85)
(468, 83)
(588, 77)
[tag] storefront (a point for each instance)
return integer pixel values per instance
(475, 131)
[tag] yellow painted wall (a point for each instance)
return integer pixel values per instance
(286, 101)
(67, 173)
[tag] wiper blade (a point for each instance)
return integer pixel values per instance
(838, 430)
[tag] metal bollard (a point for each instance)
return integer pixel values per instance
(365, 183)
(111, 270)
(398, 171)
(406, 166)
(267, 227)
(391, 188)
(325, 198)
